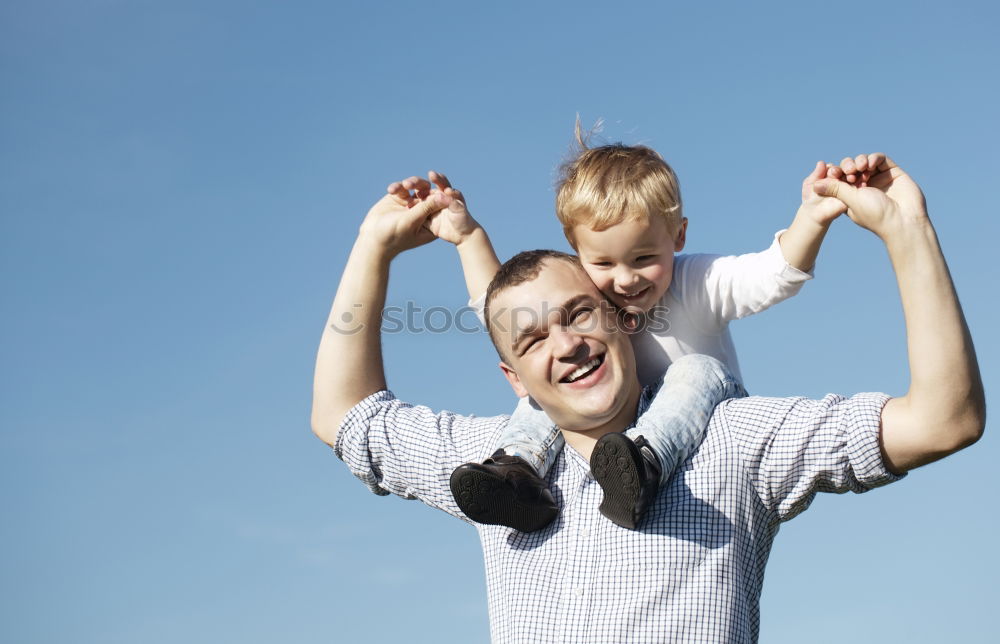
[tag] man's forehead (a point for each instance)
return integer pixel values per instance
(518, 311)
(557, 281)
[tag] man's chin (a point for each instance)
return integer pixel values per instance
(587, 419)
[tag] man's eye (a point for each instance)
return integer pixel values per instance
(581, 314)
(532, 343)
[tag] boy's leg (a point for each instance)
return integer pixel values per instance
(675, 422)
(531, 435)
(508, 488)
(630, 467)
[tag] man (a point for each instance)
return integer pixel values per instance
(694, 570)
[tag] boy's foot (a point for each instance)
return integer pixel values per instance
(504, 490)
(629, 476)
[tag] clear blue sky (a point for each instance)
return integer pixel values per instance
(180, 184)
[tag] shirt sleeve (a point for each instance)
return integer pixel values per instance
(478, 306)
(795, 447)
(410, 451)
(719, 289)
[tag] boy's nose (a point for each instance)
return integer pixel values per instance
(625, 281)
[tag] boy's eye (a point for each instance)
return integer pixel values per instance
(642, 259)
(601, 264)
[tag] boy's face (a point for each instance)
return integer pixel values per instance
(631, 262)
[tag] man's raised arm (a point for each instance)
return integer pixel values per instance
(349, 361)
(945, 408)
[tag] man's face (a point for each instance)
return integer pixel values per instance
(563, 348)
(632, 263)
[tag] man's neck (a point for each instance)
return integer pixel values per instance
(583, 441)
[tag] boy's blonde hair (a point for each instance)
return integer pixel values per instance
(611, 184)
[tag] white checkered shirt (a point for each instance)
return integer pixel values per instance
(693, 570)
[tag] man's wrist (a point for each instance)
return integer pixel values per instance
(373, 250)
(904, 234)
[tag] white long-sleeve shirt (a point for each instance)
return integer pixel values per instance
(708, 292)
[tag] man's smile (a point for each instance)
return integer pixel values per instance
(585, 374)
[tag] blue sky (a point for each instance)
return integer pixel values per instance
(181, 182)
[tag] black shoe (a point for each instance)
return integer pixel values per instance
(629, 476)
(504, 490)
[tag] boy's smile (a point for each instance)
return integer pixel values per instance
(631, 262)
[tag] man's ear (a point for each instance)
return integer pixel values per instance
(681, 235)
(514, 380)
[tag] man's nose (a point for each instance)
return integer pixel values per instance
(568, 342)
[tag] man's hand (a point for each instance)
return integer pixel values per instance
(858, 170)
(452, 223)
(394, 226)
(886, 199)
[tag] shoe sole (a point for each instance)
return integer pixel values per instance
(615, 464)
(486, 498)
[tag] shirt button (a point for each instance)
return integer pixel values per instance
(579, 592)
(583, 532)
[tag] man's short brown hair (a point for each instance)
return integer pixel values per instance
(604, 186)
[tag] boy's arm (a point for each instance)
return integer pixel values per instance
(479, 261)
(717, 289)
(801, 242)
(945, 408)
(454, 224)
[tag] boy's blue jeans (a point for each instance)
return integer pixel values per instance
(674, 424)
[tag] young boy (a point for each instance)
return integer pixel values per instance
(620, 208)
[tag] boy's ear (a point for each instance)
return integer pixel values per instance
(514, 380)
(681, 235)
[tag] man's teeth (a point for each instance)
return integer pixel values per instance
(583, 370)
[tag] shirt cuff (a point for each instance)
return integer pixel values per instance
(782, 268)
(864, 449)
(357, 417)
(351, 445)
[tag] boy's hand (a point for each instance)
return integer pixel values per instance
(820, 209)
(886, 199)
(453, 223)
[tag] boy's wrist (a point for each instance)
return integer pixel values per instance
(476, 235)
(809, 215)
